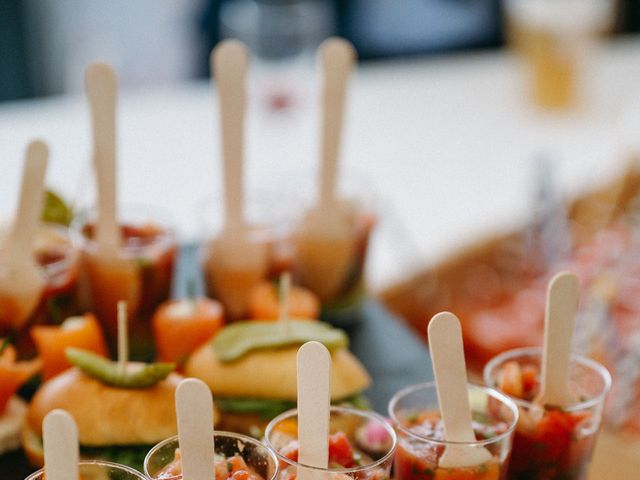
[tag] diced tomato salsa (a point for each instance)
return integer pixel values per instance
(417, 459)
(233, 468)
(342, 455)
(549, 443)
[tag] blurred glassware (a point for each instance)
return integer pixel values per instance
(56, 249)
(283, 36)
(270, 214)
(149, 248)
(553, 37)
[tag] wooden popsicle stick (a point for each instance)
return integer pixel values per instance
(229, 61)
(101, 87)
(24, 282)
(60, 441)
(314, 397)
(123, 337)
(194, 409)
(31, 201)
(447, 354)
(337, 57)
(559, 324)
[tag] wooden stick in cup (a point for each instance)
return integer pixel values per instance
(337, 57)
(239, 262)
(101, 85)
(24, 282)
(123, 337)
(447, 354)
(325, 243)
(314, 397)
(60, 442)
(559, 323)
(194, 409)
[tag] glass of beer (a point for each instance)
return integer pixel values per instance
(553, 37)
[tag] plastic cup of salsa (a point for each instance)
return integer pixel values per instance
(161, 462)
(56, 250)
(98, 470)
(551, 443)
(415, 413)
(149, 247)
(269, 216)
(361, 445)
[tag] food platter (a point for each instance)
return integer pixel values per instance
(391, 353)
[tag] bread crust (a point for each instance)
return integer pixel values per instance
(108, 415)
(272, 373)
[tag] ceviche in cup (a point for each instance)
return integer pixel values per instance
(98, 470)
(56, 251)
(267, 229)
(340, 286)
(142, 275)
(361, 445)
(415, 413)
(551, 443)
(237, 457)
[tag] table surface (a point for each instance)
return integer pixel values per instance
(444, 144)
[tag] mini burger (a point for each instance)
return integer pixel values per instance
(120, 415)
(251, 368)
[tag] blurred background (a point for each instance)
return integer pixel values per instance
(44, 44)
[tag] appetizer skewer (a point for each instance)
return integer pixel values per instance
(125, 390)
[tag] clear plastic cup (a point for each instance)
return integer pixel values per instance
(143, 279)
(371, 436)
(415, 413)
(56, 250)
(552, 443)
(269, 217)
(341, 297)
(99, 470)
(553, 37)
(159, 462)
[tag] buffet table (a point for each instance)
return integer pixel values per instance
(446, 146)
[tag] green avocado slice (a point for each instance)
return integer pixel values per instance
(240, 338)
(107, 371)
(268, 408)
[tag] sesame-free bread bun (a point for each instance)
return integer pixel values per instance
(271, 373)
(108, 415)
